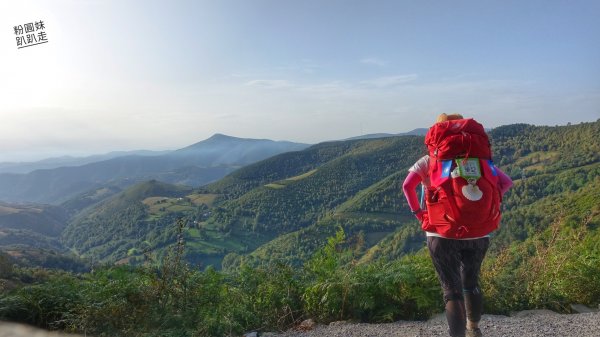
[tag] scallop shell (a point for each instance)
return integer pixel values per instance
(472, 192)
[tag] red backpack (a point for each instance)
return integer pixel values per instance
(464, 199)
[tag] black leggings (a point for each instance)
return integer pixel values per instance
(457, 263)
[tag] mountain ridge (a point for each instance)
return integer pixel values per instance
(24, 167)
(414, 132)
(196, 165)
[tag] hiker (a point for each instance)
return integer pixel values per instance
(463, 190)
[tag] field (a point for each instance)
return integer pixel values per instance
(159, 206)
(283, 183)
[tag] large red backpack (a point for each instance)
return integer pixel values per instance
(464, 199)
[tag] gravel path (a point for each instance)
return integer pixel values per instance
(8, 329)
(536, 323)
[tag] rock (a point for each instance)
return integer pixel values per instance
(338, 323)
(491, 318)
(20, 330)
(527, 313)
(582, 309)
(306, 325)
(438, 317)
(251, 334)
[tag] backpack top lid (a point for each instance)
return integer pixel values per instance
(458, 138)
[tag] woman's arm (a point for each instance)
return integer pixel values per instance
(504, 181)
(409, 187)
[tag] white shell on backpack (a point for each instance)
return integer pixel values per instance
(472, 192)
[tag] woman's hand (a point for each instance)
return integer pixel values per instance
(421, 215)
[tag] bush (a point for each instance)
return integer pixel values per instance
(45, 305)
(376, 292)
(550, 270)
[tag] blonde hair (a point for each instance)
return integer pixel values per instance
(443, 117)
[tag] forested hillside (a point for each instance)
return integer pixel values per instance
(296, 201)
(29, 235)
(122, 226)
(42, 219)
(547, 164)
(248, 208)
(30, 226)
(283, 208)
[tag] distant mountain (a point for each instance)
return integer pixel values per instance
(194, 165)
(222, 150)
(415, 132)
(50, 163)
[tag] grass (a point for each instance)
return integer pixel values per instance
(100, 192)
(537, 160)
(179, 208)
(274, 186)
(159, 206)
(209, 242)
(153, 200)
(214, 244)
(5, 209)
(202, 199)
(375, 237)
(283, 183)
(562, 172)
(212, 241)
(538, 167)
(302, 176)
(376, 216)
(539, 156)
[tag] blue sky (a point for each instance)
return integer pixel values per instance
(119, 75)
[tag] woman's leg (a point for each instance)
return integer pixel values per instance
(445, 254)
(471, 258)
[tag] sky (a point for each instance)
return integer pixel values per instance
(157, 75)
